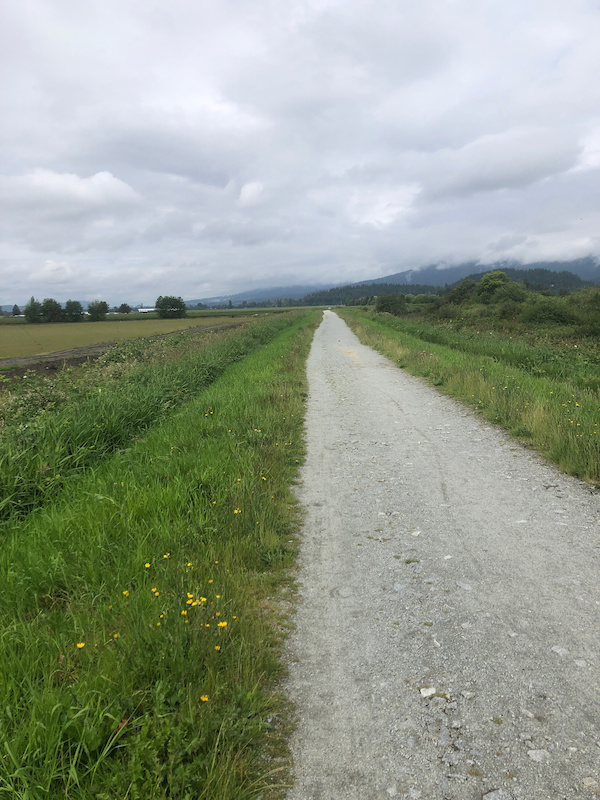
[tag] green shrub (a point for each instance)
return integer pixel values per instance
(391, 304)
(548, 311)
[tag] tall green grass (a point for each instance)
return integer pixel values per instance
(575, 360)
(139, 612)
(43, 446)
(537, 393)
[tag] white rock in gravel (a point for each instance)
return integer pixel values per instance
(498, 794)
(427, 691)
(562, 651)
(467, 587)
(538, 755)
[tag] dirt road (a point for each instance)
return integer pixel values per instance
(448, 624)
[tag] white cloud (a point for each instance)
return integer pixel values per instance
(198, 148)
(54, 195)
(250, 193)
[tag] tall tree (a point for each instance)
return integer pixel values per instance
(16, 310)
(170, 307)
(51, 310)
(124, 308)
(73, 311)
(98, 309)
(33, 310)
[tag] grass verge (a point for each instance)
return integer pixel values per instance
(51, 433)
(138, 623)
(546, 401)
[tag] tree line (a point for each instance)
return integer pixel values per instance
(50, 310)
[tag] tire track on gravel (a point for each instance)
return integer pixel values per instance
(448, 623)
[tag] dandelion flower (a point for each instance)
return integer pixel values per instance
(166, 555)
(126, 593)
(184, 613)
(80, 645)
(222, 625)
(217, 647)
(204, 698)
(147, 564)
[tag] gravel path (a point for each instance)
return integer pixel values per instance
(448, 624)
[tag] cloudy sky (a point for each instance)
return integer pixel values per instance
(204, 147)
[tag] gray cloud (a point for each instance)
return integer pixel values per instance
(201, 148)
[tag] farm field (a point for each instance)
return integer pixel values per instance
(146, 538)
(18, 340)
(547, 393)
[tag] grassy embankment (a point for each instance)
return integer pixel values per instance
(546, 393)
(139, 631)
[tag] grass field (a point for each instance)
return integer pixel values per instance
(547, 393)
(43, 338)
(142, 567)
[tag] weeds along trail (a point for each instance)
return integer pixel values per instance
(447, 625)
(138, 636)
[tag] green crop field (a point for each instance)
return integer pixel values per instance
(43, 338)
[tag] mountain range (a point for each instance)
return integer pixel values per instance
(588, 269)
(434, 275)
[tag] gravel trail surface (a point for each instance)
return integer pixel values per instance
(448, 623)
